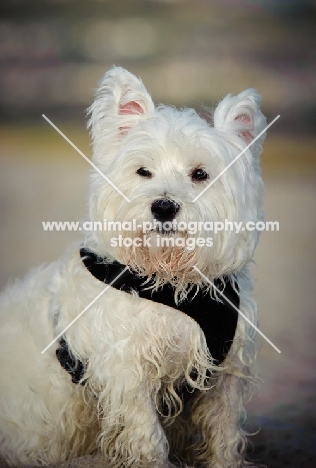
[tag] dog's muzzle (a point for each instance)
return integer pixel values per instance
(164, 210)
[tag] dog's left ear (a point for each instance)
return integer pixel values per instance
(121, 101)
(241, 115)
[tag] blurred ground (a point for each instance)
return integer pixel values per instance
(43, 178)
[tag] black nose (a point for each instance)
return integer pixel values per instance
(164, 210)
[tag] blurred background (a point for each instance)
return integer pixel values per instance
(188, 53)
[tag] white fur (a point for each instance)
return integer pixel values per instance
(136, 351)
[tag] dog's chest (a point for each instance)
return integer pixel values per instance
(125, 328)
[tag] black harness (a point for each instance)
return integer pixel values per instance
(216, 317)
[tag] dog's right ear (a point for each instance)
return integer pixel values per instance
(121, 101)
(242, 116)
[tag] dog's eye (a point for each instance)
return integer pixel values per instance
(144, 173)
(199, 175)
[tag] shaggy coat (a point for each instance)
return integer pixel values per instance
(137, 353)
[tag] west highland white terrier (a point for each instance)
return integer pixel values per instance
(152, 361)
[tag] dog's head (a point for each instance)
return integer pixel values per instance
(162, 159)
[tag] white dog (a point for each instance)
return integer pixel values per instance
(155, 371)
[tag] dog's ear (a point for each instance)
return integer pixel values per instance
(120, 102)
(241, 115)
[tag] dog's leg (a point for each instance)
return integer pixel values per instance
(208, 432)
(131, 432)
(218, 415)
